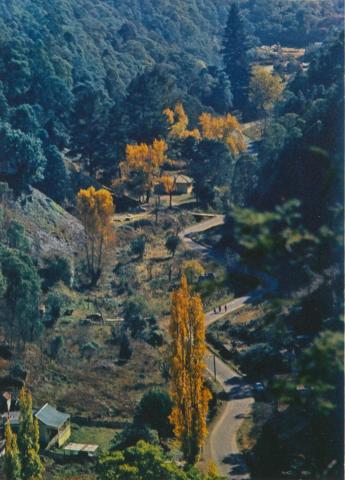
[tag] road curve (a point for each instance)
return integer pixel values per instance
(221, 445)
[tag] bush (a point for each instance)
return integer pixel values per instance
(172, 243)
(153, 411)
(137, 246)
(57, 268)
(137, 313)
(126, 350)
(55, 303)
(131, 435)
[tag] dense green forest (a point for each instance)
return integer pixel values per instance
(171, 193)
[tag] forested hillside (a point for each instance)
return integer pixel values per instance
(171, 239)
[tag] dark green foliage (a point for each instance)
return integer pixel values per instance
(136, 313)
(148, 95)
(307, 437)
(301, 155)
(211, 166)
(131, 434)
(153, 410)
(138, 245)
(55, 303)
(21, 157)
(172, 243)
(235, 56)
(56, 268)
(265, 239)
(126, 350)
(293, 23)
(88, 121)
(16, 237)
(56, 182)
(21, 296)
(260, 361)
(213, 89)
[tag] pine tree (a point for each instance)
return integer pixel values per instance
(188, 392)
(235, 56)
(12, 466)
(28, 439)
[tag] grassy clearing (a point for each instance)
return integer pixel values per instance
(95, 435)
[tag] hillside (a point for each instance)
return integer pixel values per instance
(171, 239)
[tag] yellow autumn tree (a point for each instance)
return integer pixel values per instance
(225, 129)
(28, 439)
(168, 183)
(179, 121)
(12, 465)
(188, 392)
(264, 88)
(144, 163)
(96, 209)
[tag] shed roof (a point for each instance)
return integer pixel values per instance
(51, 417)
(183, 179)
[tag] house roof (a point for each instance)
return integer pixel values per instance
(183, 179)
(51, 417)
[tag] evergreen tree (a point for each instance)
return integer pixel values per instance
(235, 56)
(12, 466)
(55, 176)
(28, 439)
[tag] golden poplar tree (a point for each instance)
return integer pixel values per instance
(264, 88)
(28, 439)
(145, 162)
(96, 209)
(225, 129)
(187, 368)
(178, 121)
(12, 465)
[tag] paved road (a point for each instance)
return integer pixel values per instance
(222, 440)
(221, 445)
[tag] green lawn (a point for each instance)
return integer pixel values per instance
(101, 436)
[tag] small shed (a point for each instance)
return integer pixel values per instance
(183, 184)
(55, 426)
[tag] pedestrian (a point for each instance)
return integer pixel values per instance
(215, 311)
(226, 308)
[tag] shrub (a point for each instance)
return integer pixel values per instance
(57, 268)
(132, 434)
(153, 411)
(126, 350)
(55, 303)
(137, 246)
(172, 243)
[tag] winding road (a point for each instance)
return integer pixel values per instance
(221, 445)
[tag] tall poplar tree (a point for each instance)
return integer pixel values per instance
(28, 439)
(235, 56)
(187, 368)
(12, 466)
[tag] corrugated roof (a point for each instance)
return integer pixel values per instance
(51, 417)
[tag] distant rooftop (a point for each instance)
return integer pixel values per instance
(51, 417)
